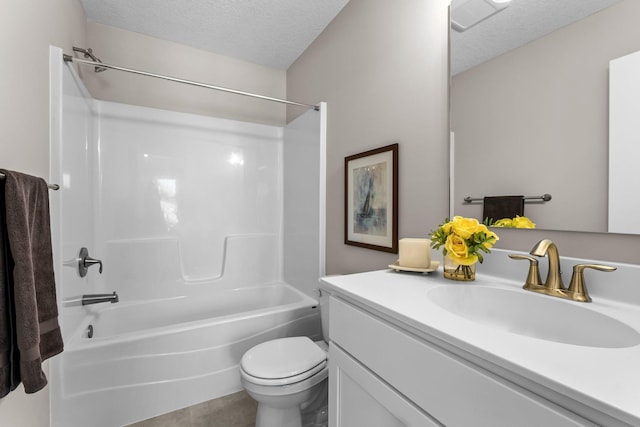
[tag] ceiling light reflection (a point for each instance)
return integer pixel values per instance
(236, 159)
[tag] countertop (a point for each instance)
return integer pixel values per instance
(605, 379)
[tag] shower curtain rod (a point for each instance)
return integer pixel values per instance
(69, 58)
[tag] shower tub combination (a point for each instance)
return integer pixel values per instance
(157, 356)
(198, 285)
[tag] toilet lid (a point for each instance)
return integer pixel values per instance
(282, 358)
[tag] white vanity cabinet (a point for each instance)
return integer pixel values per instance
(383, 375)
(360, 398)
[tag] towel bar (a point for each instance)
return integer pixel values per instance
(545, 198)
(55, 187)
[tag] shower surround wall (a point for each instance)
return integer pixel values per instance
(178, 194)
(210, 231)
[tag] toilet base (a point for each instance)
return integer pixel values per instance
(269, 416)
(300, 402)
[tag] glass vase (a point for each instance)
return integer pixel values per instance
(460, 272)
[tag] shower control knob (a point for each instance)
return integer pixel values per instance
(85, 261)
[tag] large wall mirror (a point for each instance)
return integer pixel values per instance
(529, 106)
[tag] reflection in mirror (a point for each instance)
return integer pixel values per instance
(624, 150)
(529, 107)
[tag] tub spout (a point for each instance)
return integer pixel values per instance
(98, 298)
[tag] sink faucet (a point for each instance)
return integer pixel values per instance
(554, 275)
(577, 290)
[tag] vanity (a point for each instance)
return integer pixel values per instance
(409, 349)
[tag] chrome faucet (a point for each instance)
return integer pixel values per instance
(98, 298)
(577, 290)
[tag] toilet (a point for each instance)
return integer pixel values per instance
(288, 378)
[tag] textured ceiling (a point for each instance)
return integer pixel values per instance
(523, 21)
(268, 32)
(276, 32)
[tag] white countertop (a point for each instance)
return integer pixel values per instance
(605, 379)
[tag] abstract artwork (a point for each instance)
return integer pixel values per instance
(371, 199)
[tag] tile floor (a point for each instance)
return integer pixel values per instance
(235, 410)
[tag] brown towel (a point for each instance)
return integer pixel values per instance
(9, 377)
(37, 332)
(498, 207)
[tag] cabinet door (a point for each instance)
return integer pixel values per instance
(357, 397)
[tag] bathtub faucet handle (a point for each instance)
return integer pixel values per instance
(88, 262)
(85, 261)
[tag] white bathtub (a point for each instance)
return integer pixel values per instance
(150, 358)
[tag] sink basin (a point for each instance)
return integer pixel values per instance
(520, 312)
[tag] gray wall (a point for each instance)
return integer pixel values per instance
(137, 51)
(382, 68)
(551, 113)
(27, 28)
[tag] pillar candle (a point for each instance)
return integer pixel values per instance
(414, 253)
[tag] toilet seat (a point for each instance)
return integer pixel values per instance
(283, 361)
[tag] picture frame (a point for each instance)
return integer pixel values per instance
(371, 199)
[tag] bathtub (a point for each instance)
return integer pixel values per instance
(152, 357)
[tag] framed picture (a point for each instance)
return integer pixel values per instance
(371, 199)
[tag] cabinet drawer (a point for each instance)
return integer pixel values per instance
(452, 391)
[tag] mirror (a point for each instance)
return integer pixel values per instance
(529, 107)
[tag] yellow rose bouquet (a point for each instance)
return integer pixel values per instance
(463, 239)
(517, 222)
